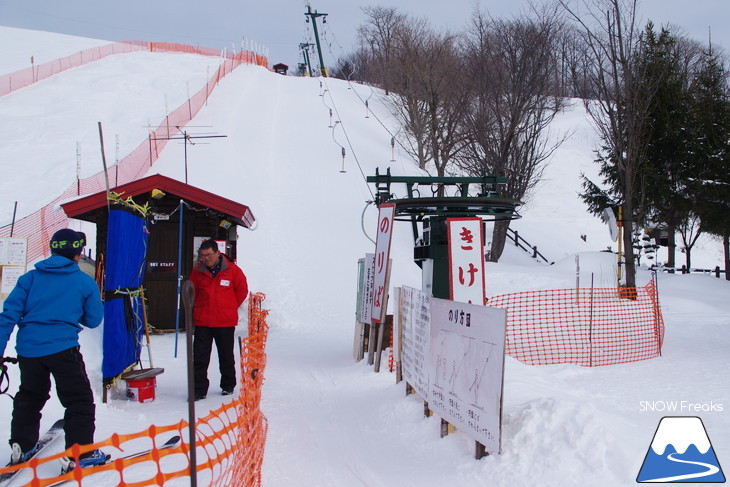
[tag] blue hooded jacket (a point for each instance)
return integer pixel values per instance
(49, 305)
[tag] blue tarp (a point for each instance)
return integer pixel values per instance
(126, 253)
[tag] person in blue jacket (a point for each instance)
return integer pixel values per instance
(49, 305)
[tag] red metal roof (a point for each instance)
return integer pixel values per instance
(236, 212)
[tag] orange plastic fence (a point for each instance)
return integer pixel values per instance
(229, 440)
(588, 327)
(40, 225)
(32, 74)
(27, 76)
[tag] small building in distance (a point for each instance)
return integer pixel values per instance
(281, 68)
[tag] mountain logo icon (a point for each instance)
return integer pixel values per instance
(681, 452)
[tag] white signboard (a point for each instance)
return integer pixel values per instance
(415, 320)
(382, 254)
(13, 251)
(366, 298)
(10, 276)
(466, 358)
(466, 260)
(13, 254)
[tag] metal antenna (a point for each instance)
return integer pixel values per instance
(187, 138)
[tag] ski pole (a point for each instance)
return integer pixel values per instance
(4, 378)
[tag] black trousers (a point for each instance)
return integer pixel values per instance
(73, 390)
(202, 345)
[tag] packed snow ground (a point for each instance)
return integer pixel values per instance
(333, 421)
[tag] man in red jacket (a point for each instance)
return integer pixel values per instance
(220, 289)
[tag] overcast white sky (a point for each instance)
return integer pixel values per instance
(280, 26)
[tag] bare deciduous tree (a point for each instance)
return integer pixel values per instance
(513, 82)
(623, 95)
(443, 89)
(422, 72)
(408, 58)
(378, 35)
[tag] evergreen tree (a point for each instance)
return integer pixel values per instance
(667, 169)
(620, 109)
(711, 148)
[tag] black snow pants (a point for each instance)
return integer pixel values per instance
(73, 390)
(202, 345)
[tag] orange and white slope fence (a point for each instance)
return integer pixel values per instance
(27, 76)
(38, 226)
(585, 326)
(229, 440)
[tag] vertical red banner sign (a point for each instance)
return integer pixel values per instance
(466, 260)
(382, 254)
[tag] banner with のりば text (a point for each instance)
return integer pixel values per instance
(386, 214)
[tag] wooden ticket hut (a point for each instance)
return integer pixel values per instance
(204, 214)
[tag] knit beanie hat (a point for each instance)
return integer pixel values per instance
(67, 243)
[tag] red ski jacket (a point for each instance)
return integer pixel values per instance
(218, 298)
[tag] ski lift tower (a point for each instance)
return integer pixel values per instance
(431, 201)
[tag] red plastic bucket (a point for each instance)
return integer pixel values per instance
(143, 390)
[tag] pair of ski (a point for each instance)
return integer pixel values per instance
(56, 430)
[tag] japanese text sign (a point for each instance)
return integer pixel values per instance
(415, 323)
(382, 254)
(466, 260)
(466, 368)
(366, 297)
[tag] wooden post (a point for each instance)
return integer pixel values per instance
(364, 339)
(106, 173)
(371, 343)
(188, 296)
(479, 451)
(379, 346)
(446, 428)
(381, 331)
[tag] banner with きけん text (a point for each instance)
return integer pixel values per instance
(466, 260)
(382, 254)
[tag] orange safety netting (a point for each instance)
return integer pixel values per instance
(32, 74)
(585, 326)
(27, 76)
(38, 227)
(229, 440)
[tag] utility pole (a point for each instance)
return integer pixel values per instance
(314, 16)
